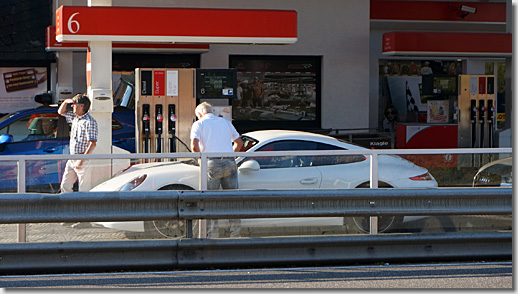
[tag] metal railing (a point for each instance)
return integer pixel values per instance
(238, 204)
(372, 153)
(200, 253)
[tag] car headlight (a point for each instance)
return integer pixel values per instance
(131, 185)
(424, 177)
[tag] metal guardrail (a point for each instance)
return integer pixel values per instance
(249, 252)
(202, 253)
(227, 204)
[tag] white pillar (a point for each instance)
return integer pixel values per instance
(65, 73)
(100, 92)
(101, 96)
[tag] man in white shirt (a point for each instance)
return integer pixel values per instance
(216, 134)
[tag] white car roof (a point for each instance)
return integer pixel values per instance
(268, 135)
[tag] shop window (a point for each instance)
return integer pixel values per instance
(276, 92)
(407, 87)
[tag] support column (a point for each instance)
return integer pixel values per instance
(509, 71)
(99, 82)
(65, 75)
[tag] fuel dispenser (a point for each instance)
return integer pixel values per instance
(165, 100)
(476, 113)
(159, 90)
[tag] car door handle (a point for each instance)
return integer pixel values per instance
(50, 150)
(309, 181)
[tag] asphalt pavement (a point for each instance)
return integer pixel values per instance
(481, 275)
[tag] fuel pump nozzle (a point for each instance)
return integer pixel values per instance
(145, 121)
(158, 128)
(473, 118)
(482, 120)
(491, 116)
(172, 127)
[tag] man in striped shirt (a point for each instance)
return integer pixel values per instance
(83, 139)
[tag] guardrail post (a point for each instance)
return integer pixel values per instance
(203, 187)
(373, 228)
(22, 228)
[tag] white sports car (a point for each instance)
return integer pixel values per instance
(287, 172)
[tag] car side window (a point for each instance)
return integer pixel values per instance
(303, 161)
(18, 129)
(37, 126)
(322, 160)
(286, 161)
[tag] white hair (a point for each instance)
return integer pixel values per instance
(202, 109)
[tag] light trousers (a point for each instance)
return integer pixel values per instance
(72, 173)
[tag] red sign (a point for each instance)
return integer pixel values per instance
(482, 85)
(53, 45)
(439, 11)
(183, 25)
(159, 83)
(447, 44)
(388, 40)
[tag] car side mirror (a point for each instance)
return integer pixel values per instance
(5, 139)
(248, 166)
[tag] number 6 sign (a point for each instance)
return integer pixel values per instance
(72, 21)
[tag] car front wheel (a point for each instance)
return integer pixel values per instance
(163, 228)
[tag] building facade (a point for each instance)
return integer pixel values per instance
(333, 79)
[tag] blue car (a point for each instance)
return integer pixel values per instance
(42, 131)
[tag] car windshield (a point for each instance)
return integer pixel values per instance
(5, 117)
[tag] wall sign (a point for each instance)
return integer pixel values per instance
(19, 85)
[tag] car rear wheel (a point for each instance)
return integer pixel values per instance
(385, 223)
(163, 228)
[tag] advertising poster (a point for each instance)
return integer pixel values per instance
(406, 98)
(223, 111)
(438, 111)
(19, 85)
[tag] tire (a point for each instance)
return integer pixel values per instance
(159, 229)
(163, 228)
(385, 223)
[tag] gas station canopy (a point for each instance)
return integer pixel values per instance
(175, 25)
(52, 45)
(447, 44)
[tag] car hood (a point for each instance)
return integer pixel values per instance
(186, 174)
